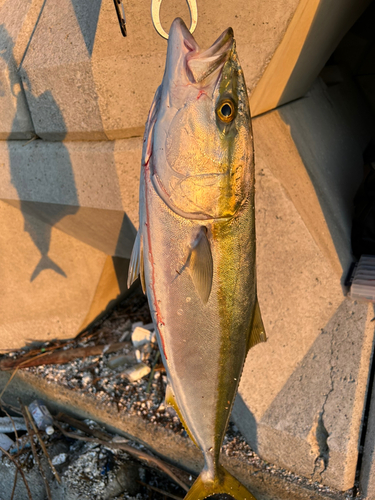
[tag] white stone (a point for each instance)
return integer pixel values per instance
(141, 336)
(136, 372)
(5, 442)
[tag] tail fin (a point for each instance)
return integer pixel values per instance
(223, 483)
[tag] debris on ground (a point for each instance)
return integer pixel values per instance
(118, 361)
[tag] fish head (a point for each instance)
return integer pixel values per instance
(202, 153)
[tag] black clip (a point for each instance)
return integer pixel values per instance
(121, 16)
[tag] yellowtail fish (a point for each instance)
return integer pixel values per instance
(195, 248)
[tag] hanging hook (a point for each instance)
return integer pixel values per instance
(121, 16)
(155, 15)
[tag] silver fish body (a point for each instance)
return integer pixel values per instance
(195, 248)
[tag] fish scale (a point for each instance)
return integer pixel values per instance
(195, 248)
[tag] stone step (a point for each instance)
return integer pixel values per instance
(302, 394)
(81, 79)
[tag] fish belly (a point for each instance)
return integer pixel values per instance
(203, 345)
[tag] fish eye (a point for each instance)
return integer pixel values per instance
(226, 111)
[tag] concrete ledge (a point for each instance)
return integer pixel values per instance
(173, 447)
(17, 21)
(52, 284)
(302, 395)
(100, 175)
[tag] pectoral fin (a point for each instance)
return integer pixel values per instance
(136, 266)
(170, 400)
(201, 266)
(257, 330)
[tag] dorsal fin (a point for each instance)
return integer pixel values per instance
(257, 330)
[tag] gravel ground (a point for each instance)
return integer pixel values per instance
(90, 469)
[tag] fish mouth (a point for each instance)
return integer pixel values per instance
(199, 64)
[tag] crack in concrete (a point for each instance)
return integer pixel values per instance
(319, 435)
(32, 35)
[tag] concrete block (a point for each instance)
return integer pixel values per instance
(302, 394)
(367, 477)
(89, 190)
(17, 20)
(314, 147)
(313, 33)
(52, 285)
(83, 80)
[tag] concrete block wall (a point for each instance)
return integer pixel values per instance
(302, 394)
(71, 84)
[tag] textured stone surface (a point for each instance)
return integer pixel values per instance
(314, 146)
(312, 35)
(161, 441)
(51, 284)
(302, 393)
(87, 189)
(367, 478)
(84, 80)
(17, 20)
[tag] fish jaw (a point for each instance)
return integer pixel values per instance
(188, 66)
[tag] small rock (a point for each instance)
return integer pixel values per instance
(138, 355)
(122, 359)
(126, 327)
(126, 479)
(137, 324)
(5, 443)
(59, 459)
(136, 372)
(141, 336)
(149, 326)
(6, 424)
(87, 378)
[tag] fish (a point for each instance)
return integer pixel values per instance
(195, 247)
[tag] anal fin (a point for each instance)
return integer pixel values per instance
(170, 400)
(257, 330)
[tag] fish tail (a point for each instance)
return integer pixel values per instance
(223, 483)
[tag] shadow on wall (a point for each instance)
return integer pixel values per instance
(325, 32)
(87, 14)
(50, 177)
(248, 424)
(58, 176)
(331, 127)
